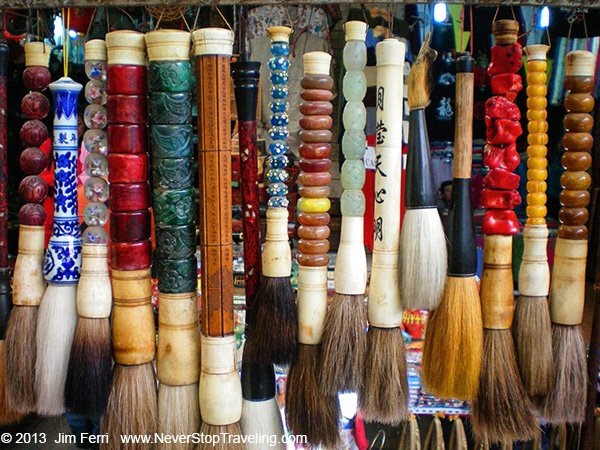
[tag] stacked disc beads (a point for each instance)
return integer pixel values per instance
(36, 106)
(537, 137)
(578, 142)
(502, 117)
(95, 213)
(354, 88)
(314, 178)
(170, 81)
(277, 160)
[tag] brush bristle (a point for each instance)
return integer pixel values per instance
(420, 79)
(57, 318)
(8, 416)
(222, 433)
(273, 341)
(384, 397)
(344, 344)
(91, 360)
(423, 259)
(132, 406)
(532, 331)
(20, 358)
(454, 342)
(565, 402)
(502, 410)
(262, 419)
(178, 413)
(308, 411)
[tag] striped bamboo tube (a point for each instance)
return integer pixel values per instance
(178, 357)
(344, 338)
(132, 403)
(28, 280)
(303, 393)
(566, 399)
(532, 329)
(220, 388)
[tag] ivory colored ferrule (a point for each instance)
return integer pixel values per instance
(126, 47)
(312, 303)
(133, 335)
(276, 255)
(314, 205)
(220, 394)
(279, 34)
(213, 41)
(350, 273)
(580, 63)
(534, 274)
(94, 293)
(168, 45)
(384, 305)
(355, 30)
(316, 63)
(178, 350)
(567, 291)
(28, 278)
(37, 54)
(95, 50)
(497, 295)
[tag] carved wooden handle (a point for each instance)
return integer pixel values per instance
(94, 293)
(497, 298)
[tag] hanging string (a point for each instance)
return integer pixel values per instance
(223, 17)
(184, 21)
(87, 33)
(572, 18)
(196, 18)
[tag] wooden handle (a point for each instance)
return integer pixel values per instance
(28, 278)
(312, 303)
(534, 274)
(94, 293)
(463, 128)
(276, 255)
(220, 387)
(178, 350)
(133, 335)
(567, 291)
(497, 298)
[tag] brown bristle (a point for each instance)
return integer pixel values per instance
(221, 434)
(8, 416)
(178, 413)
(308, 411)
(454, 342)
(344, 345)
(20, 358)
(91, 360)
(502, 411)
(420, 78)
(532, 331)
(565, 402)
(384, 397)
(273, 341)
(131, 407)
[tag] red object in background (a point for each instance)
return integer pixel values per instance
(126, 109)
(129, 197)
(36, 78)
(507, 84)
(501, 179)
(494, 199)
(499, 107)
(33, 133)
(505, 59)
(360, 435)
(130, 226)
(127, 138)
(126, 80)
(33, 214)
(33, 161)
(502, 131)
(500, 221)
(79, 19)
(125, 168)
(506, 158)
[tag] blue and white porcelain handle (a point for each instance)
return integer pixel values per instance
(63, 256)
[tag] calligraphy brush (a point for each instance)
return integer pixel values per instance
(423, 254)
(454, 341)
(532, 328)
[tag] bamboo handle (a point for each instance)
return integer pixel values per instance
(312, 303)
(28, 278)
(276, 255)
(567, 292)
(534, 274)
(497, 298)
(94, 294)
(463, 129)
(133, 335)
(178, 349)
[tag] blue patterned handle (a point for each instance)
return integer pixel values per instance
(63, 256)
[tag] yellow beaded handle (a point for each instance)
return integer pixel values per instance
(537, 127)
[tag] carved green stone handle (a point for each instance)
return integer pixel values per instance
(173, 173)
(171, 141)
(171, 76)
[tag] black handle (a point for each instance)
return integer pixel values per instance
(258, 382)
(5, 299)
(246, 75)
(3, 59)
(462, 255)
(420, 190)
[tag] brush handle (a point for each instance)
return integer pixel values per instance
(350, 273)
(178, 350)
(94, 293)
(220, 387)
(420, 190)
(312, 303)
(534, 274)
(384, 306)
(28, 277)
(276, 255)
(497, 298)
(258, 382)
(133, 335)
(3, 167)
(246, 75)
(462, 258)
(567, 291)
(213, 49)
